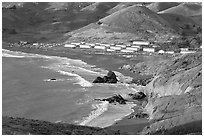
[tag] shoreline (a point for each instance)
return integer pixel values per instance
(118, 123)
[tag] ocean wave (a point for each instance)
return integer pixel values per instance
(81, 81)
(57, 80)
(11, 56)
(99, 109)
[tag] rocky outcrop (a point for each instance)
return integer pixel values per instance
(137, 95)
(116, 98)
(138, 115)
(142, 81)
(175, 97)
(110, 78)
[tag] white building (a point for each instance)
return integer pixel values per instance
(106, 45)
(161, 51)
(74, 43)
(122, 46)
(91, 45)
(184, 49)
(100, 47)
(84, 46)
(35, 44)
(110, 50)
(115, 48)
(170, 52)
(127, 51)
(135, 46)
(187, 52)
(141, 43)
(69, 46)
(132, 48)
(149, 49)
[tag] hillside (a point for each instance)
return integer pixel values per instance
(134, 18)
(133, 22)
(175, 97)
(46, 21)
(22, 126)
(174, 94)
(185, 9)
(160, 6)
(109, 22)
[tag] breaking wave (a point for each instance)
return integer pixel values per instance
(99, 109)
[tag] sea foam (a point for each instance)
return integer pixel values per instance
(81, 81)
(99, 109)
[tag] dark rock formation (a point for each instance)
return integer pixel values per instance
(98, 80)
(142, 82)
(53, 79)
(116, 98)
(138, 115)
(110, 78)
(137, 95)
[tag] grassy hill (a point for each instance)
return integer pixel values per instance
(160, 6)
(133, 22)
(22, 126)
(185, 9)
(110, 22)
(46, 21)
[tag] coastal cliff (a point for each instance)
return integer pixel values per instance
(174, 94)
(175, 97)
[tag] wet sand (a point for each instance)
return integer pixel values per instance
(131, 125)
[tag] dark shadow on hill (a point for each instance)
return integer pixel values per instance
(193, 128)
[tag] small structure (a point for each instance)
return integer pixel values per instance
(170, 52)
(115, 48)
(69, 46)
(184, 49)
(110, 50)
(132, 48)
(91, 45)
(84, 47)
(161, 51)
(149, 49)
(74, 43)
(127, 51)
(106, 45)
(122, 46)
(187, 52)
(135, 46)
(146, 43)
(100, 47)
(35, 44)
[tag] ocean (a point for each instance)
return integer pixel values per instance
(59, 89)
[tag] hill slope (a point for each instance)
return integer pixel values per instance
(160, 6)
(185, 9)
(22, 126)
(47, 21)
(175, 97)
(133, 22)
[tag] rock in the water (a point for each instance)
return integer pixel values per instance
(110, 78)
(116, 98)
(138, 115)
(98, 80)
(111, 74)
(53, 79)
(137, 95)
